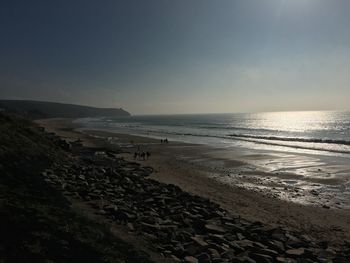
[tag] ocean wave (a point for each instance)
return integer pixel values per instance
(292, 139)
(322, 147)
(233, 128)
(326, 146)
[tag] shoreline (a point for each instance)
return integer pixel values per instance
(319, 223)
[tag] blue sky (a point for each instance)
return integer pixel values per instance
(183, 56)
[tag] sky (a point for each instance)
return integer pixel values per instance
(178, 56)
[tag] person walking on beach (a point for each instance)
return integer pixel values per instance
(148, 154)
(143, 156)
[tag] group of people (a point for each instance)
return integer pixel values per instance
(164, 141)
(144, 155)
(141, 155)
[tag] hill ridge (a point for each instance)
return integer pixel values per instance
(44, 109)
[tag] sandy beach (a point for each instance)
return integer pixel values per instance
(224, 178)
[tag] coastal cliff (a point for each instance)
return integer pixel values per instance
(43, 109)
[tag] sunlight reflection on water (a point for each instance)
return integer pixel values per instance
(302, 121)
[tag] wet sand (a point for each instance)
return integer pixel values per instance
(231, 179)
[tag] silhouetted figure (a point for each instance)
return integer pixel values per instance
(161, 141)
(135, 155)
(148, 154)
(143, 155)
(166, 140)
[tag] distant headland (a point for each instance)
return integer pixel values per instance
(44, 109)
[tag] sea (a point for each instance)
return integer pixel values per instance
(311, 132)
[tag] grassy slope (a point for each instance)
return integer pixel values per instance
(36, 222)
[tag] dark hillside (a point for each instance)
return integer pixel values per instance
(36, 222)
(41, 109)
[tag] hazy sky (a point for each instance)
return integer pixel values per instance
(178, 56)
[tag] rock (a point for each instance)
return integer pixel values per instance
(285, 260)
(269, 252)
(214, 228)
(259, 245)
(179, 250)
(130, 226)
(125, 216)
(81, 177)
(184, 236)
(199, 240)
(236, 247)
(234, 227)
(240, 236)
(229, 254)
(261, 258)
(294, 241)
(215, 246)
(277, 245)
(175, 258)
(218, 239)
(203, 258)
(245, 243)
(295, 252)
(214, 253)
(190, 259)
(279, 235)
(246, 259)
(193, 249)
(156, 227)
(149, 200)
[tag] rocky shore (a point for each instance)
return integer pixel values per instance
(180, 226)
